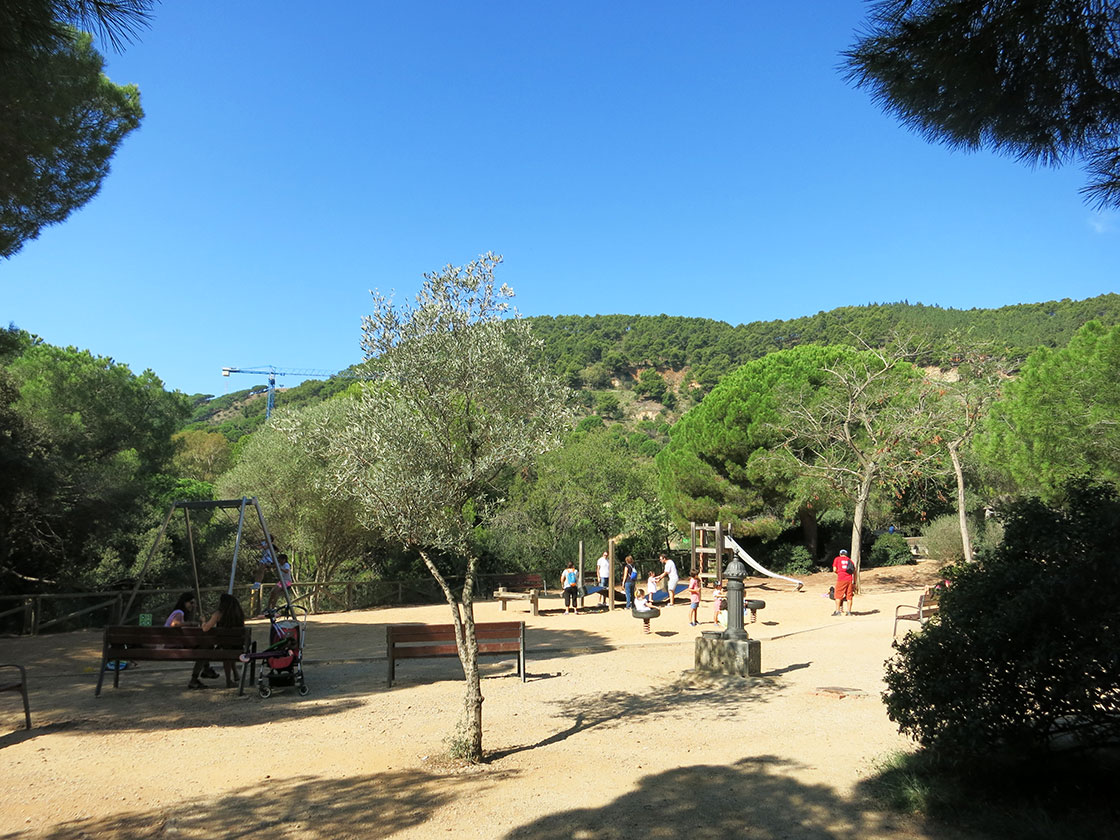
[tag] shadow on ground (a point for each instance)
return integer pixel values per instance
(702, 696)
(750, 798)
(377, 805)
(343, 663)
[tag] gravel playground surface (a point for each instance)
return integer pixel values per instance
(612, 736)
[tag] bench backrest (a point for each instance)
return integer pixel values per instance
(421, 635)
(929, 601)
(177, 638)
(526, 580)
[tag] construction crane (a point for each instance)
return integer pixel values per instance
(272, 372)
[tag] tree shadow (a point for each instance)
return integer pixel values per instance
(698, 694)
(343, 663)
(377, 805)
(751, 798)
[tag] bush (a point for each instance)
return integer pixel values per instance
(890, 550)
(943, 539)
(790, 559)
(1025, 654)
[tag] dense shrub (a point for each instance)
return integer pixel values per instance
(890, 550)
(789, 559)
(942, 539)
(1025, 654)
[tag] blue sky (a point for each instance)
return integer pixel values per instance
(699, 159)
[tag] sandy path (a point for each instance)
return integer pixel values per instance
(613, 736)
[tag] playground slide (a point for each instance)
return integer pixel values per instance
(750, 561)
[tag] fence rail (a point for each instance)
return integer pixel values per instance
(32, 614)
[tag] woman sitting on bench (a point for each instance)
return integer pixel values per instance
(182, 616)
(228, 614)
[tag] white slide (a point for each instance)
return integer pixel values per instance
(750, 561)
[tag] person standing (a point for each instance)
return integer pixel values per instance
(569, 585)
(694, 598)
(845, 582)
(629, 581)
(603, 571)
(669, 573)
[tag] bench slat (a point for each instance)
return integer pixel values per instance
(173, 654)
(171, 644)
(411, 641)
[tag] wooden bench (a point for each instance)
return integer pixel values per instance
(420, 641)
(927, 606)
(11, 683)
(520, 587)
(173, 644)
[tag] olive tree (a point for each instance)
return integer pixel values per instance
(457, 400)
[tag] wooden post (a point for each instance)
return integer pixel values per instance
(719, 549)
(697, 557)
(579, 590)
(610, 580)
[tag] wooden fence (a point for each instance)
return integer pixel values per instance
(34, 614)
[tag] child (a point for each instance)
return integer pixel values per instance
(641, 601)
(719, 601)
(642, 605)
(651, 586)
(693, 597)
(285, 582)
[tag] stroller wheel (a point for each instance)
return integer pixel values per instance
(264, 691)
(303, 689)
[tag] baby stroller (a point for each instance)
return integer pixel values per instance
(282, 661)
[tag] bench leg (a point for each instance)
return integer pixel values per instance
(100, 678)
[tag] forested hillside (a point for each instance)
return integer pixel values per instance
(674, 361)
(577, 344)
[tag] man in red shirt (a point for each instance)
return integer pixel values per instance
(845, 580)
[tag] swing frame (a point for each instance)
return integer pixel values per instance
(243, 506)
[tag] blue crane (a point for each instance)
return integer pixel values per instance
(272, 372)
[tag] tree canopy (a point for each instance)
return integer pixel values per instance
(724, 459)
(1035, 79)
(61, 118)
(61, 121)
(84, 444)
(1058, 419)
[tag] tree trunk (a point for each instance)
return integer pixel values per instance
(466, 741)
(966, 539)
(809, 530)
(862, 496)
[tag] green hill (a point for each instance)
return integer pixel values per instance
(640, 367)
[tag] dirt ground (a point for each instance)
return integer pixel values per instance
(612, 736)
